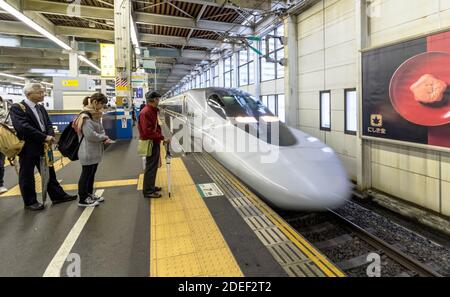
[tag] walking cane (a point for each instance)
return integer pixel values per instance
(168, 158)
(45, 162)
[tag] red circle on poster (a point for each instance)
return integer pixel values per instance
(402, 98)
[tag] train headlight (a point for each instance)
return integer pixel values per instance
(246, 120)
(327, 150)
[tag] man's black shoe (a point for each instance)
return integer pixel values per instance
(66, 198)
(35, 207)
(157, 189)
(153, 195)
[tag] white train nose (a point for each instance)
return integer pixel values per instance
(302, 180)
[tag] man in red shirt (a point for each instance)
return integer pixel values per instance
(149, 129)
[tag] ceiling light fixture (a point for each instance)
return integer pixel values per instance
(33, 25)
(85, 60)
(12, 76)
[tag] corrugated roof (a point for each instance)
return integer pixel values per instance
(164, 8)
(7, 17)
(61, 20)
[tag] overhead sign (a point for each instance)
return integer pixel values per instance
(149, 64)
(69, 83)
(138, 79)
(107, 60)
(406, 94)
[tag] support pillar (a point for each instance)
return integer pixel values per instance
(363, 150)
(291, 72)
(73, 64)
(122, 38)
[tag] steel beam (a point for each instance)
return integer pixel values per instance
(140, 17)
(28, 61)
(182, 22)
(251, 5)
(85, 32)
(174, 40)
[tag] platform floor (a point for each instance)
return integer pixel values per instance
(231, 233)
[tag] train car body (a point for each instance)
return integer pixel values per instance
(292, 170)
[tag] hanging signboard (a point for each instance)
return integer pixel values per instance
(107, 60)
(138, 79)
(406, 91)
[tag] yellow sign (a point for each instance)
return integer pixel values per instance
(107, 60)
(122, 88)
(69, 83)
(376, 120)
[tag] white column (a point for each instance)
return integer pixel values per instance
(123, 47)
(73, 64)
(220, 69)
(103, 85)
(235, 72)
(257, 65)
(291, 72)
(363, 150)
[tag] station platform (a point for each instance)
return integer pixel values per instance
(211, 225)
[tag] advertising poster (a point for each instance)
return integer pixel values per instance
(406, 91)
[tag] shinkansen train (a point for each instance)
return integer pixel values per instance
(289, 168)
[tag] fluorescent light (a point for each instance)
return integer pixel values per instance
(12, 83)
(270, 119)
(21, 17)
(85, 60)
(46, 83)
(30, 23)
(246, 120)
(12, 76)
(134, 38)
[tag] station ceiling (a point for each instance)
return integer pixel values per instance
(181, 34)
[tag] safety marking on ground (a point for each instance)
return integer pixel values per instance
(260, 212)
(209, 190)
(105, 184)
(140, 184)
(55, 266)
(15, 191)
(185, 240)
(72, 187)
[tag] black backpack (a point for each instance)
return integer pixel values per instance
(68, 143)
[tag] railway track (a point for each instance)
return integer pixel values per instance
(354, 249)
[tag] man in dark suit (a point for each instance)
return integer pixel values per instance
(34, 126)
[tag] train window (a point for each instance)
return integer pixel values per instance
(217, 105)
(240, 104)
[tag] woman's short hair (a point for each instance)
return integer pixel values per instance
(98, 97)
(32, 87)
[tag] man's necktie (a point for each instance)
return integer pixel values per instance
(41, 118)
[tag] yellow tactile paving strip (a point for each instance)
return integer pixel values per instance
(311, 252)
(15, 191)
(184, 238)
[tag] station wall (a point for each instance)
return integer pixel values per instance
(328, 60)
(419, 176)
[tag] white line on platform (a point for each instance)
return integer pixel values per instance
(55, 266)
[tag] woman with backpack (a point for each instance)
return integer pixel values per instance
(92, 140)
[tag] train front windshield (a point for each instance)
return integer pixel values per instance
(251, 114)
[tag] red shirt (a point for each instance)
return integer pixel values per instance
(148, 119)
